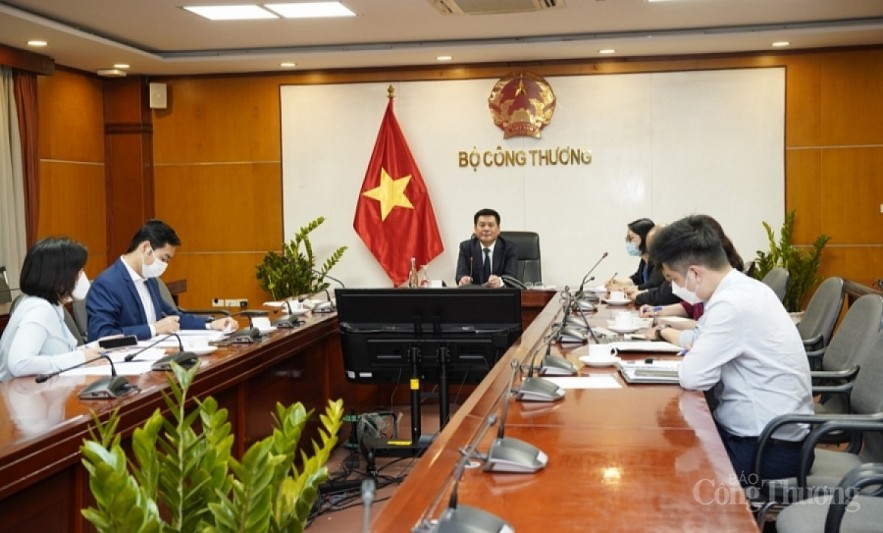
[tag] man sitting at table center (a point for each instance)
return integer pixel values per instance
(485, 257)
(125, 298)
(747, 348)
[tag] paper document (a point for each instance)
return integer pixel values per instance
(646, 346)
(656, 372)
(605, 381)
(135, 368)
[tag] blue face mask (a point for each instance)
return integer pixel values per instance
(632, 249)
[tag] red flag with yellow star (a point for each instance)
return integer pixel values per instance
(394, 215)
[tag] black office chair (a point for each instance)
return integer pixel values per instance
(529, 264)
(777, 279)
(818, 320)
(208, 314)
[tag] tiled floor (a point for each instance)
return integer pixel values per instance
(343, 511)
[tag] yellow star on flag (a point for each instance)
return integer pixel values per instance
(390, 193)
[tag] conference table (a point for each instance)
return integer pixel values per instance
(630, 458)
(626, 459)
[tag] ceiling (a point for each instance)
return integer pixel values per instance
(158, 37)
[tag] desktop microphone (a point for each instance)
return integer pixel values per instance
(327, 306)
(586, 279)
(457, 519)
(537, 389)
(112, 386)
(185, 359)
(250, 334)
(508, 454)
(287, 321)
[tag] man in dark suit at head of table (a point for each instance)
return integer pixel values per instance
(485, 257)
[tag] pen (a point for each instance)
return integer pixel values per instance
(612, 278)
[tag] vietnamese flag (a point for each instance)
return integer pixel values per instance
(394, 215)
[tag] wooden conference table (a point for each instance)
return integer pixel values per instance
(634, 458)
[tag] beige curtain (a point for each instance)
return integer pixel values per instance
(13, 227)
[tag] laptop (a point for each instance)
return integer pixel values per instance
(655, 372)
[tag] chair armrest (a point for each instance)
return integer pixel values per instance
(813, 341)
(853, 482)
(806, 451)
(841, 390)
(848, 374)
(848, 423)
(816, 354)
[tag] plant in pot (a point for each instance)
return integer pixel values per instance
(294, 273)
(802, 264)
(181, 475)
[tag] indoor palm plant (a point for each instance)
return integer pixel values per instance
(182, 476)
(802, 264)
(293, 272)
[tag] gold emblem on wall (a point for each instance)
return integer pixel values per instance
(522, 105)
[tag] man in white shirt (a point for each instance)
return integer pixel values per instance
(747, 348)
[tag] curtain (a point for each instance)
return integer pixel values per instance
(13, 233)
(25, 84)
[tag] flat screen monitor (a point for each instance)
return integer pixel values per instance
(384, 330)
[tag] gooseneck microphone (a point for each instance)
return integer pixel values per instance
(133, 355)
(250, 334)
(513, 282)
(287, 321)
(112, 386)
(537, 389)
(585, 280)
(508, 454)
(183, 358)
(457, 519)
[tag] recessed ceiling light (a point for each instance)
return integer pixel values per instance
(242, 12)
(121, 65)
(287, 64)
(607, 51)
(782, 43)
(36, 43)
(444, 58)
(304, 10)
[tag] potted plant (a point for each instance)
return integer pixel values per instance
(293, 272)
(182, 476)
(802, 265)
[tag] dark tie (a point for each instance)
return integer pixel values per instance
(486, 267)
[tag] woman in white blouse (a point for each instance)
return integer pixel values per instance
(36, 340)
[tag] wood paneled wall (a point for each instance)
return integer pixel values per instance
(72, 191)
(218, 177)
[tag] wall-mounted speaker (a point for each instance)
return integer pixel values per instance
(159, 96)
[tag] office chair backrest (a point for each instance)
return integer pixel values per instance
(165, 294)
(78, 318)
(851, 342)
(822, 312)
(866, 397)
(529, 263)
(777, 279)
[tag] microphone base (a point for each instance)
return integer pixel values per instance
(508, 454)
(246, 336)
(324, 307)
(572, 335)
(107, 388)
(539, 390)
(557, 366)
(287, 322)
(184, 359)
(472, 519)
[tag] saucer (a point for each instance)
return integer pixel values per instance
(624, 329)
(201, 351)
(598, 361)
(616, 302)
(264, 331)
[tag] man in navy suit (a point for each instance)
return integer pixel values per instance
(486, 256)
(125, 298)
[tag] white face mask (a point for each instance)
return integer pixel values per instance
(684, 293)
(81, 288)
(155, 269)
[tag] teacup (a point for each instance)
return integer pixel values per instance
(602, 352)
(623, 319)
(197, 344)
(617, 296)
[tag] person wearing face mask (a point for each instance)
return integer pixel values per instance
(36, 340)
(486, 256)
(125, 298)
(647, 276)
(747, 350)
(682, 333)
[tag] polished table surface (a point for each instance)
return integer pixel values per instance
(633, 458)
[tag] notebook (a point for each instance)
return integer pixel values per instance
(655, 372)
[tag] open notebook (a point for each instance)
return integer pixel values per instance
(655, 372)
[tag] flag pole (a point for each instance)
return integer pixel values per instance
(390, 92)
